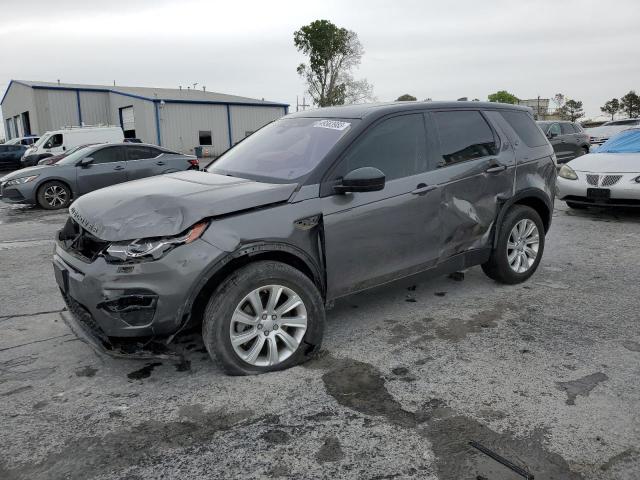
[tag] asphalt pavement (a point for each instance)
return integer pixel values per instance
(544, 374)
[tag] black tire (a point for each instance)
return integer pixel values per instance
(586, 150)
(48, 202)
(576, 206)
(216, 322)
(497, 267)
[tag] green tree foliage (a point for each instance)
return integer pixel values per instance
(406, 98)
(333, 53)
(571, 110)
(502, 96)
(611, 107)
(630, 104)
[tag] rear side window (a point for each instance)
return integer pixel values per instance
(464, 135)
(525, 127)
(567, 128)
(578, 128)
(139, 153)
(396, 147)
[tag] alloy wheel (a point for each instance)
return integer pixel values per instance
(268, 325)
(55, 196)
(522, 245)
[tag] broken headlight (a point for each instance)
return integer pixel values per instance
(153, 248)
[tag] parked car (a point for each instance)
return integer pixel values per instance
(88, 169)
(599, 135)
(28, 140)
(568, 139)
(10, 155)
(312, 207)
(57, 158)
(57, 142)
(609, 177)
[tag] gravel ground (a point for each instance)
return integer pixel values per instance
(544, 374)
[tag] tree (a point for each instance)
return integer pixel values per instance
(571, 110)
(333, 52)
(630, 104)
(406, 98)
(502, 96)
(559, 100)
(611, 107)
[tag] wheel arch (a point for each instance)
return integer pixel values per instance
(44, 181)
(217, 272)
(532, 197)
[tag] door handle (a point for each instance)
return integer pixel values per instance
(119, 167)
(423, 189)
(496, 168)
(160, 163)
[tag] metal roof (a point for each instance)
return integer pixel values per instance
(151, 93)
(364, 109)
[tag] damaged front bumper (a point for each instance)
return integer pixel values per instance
(143, 303)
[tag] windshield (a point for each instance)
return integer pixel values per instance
(286, 149)
(73, 157)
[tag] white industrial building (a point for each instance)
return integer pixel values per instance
(180, 119)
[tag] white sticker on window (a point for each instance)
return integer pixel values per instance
(332, 124)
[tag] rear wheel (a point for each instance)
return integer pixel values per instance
(54, 195)
(264, 317)
(519, 248)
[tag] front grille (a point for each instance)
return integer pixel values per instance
(81, 243)
(593, 179)
(609, 180)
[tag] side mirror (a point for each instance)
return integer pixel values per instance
(85, 162)
(365, 179)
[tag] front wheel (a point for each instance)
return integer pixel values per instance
(519, 247)
(264, 317)
(54, 195)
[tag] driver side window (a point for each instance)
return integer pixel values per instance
(396, 147)
(54, 141)
(555, 129)
(107, 155)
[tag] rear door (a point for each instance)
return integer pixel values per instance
(571, 139)
(108, 168)
(142, 161)
(475, 171)
(375, 237)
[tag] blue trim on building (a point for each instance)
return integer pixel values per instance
(229, 126)
(156, 105)
(79, 108)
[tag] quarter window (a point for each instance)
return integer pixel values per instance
(464, 135)
(204, 137)
(567, 128)
(397, 147)
(525, 127)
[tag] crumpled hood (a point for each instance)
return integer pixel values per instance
(607, 163)
(167, 205)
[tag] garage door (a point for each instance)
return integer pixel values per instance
(128, 121)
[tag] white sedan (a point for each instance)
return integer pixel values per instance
(608, 177)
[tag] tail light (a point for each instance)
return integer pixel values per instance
(194, 162)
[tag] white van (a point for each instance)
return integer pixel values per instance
(57, 142)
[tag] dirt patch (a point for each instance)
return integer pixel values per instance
(86, 371)
(330, 451)
(581, 386)
(144, 372)
(276, 437)
(631, 345)
(456, 329)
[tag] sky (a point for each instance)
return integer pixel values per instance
(587, 49)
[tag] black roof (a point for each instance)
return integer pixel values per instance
(365, 109)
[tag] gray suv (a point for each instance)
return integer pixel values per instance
(568, 139)
(314, 206)
(88, 169)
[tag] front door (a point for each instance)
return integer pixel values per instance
(475, 171)
(108, 168)
(375, 237)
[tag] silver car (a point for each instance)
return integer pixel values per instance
(90, 168)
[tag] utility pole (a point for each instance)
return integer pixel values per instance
(304, 104)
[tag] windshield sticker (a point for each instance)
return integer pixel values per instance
(332, 124)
